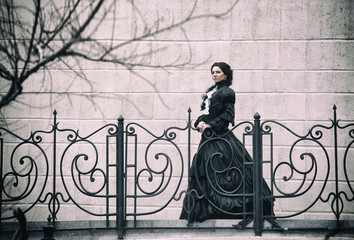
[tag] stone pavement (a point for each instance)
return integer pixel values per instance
(175, 230)
(195, 235)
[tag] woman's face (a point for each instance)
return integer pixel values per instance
(217, 74)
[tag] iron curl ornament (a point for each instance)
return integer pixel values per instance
(153, 175)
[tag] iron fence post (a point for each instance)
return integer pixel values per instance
(189, 164)
(120, 178)
(55, 128)
(257, 177)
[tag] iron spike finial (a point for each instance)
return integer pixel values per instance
(121, 118)
(257, 116)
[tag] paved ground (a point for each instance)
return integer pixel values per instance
(206, 231)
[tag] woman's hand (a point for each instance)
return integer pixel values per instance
(202, 126)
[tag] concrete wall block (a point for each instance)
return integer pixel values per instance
(91, 107)
(319, 55)
(343, 19)
(19, 128)
(138, 106)
(289, 105)
(62, 81)
(293, 19)
(168, 213)
(191, 53)
(255, 55)
(18, 109)
(257, 81)
(207, 27)
(317, 82)
(109, 81)
(331, 82)
(343, 55)
(165, 53)
(113, 106)
(89, 65)
(320, 22)
(242, 20)
(292, 55)
(143, 81)
(145, 16)
(320, 106)
(216, 28)
(5, 85)
(97, 81)
(195, 81)
(167, 106)
(170, 17)
(216, 51)
(76, 214)
(117, 24)
(294, 81)
(156, 81)
(78, 106)
(195, 29)
(342, 81)
(256, 20)
(167, 81)
(244, 108)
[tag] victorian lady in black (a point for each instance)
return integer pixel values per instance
(221, 173)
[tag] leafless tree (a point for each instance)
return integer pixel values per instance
(36, 34)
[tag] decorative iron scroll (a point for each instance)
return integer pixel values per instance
(315, 163)
(122, 168)
(156, 170)
(31, 176)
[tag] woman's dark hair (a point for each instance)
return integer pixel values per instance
(226, 69)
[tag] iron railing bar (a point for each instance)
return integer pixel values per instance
(120, 178)
(335, 123)
(55, 127)
(107, 181)
(135, 177)
(257, 157)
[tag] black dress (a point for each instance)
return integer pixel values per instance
(220, 184)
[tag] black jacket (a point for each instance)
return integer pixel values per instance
(221, 110)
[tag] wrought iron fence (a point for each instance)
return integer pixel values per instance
(61, 166)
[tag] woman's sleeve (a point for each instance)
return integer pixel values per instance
(228, 115)
(199, 119)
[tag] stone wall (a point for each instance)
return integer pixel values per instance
(292, 60)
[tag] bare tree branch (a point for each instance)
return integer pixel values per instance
(36, 34)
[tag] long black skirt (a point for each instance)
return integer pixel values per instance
(221, 182)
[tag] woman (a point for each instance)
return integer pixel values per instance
(221, 172)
